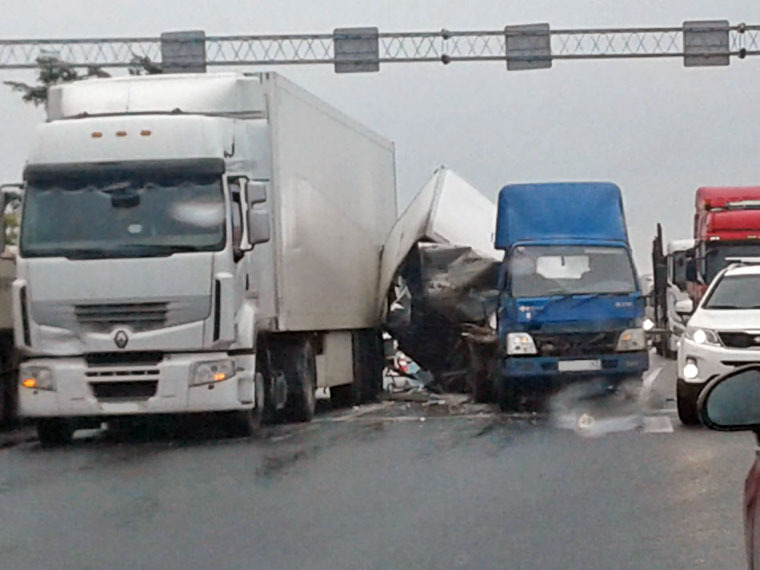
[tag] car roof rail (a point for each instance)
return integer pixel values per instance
(742, 261)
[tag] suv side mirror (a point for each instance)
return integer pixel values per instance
(258, 227)
(732, 402)
(685, 307)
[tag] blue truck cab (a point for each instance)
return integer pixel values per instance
(570, 305)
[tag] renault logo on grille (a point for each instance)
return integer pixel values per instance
(121, 339)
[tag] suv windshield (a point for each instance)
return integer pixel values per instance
(541, 271)
(122, 210)
(735, 292)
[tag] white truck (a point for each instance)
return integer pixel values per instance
(198, 243)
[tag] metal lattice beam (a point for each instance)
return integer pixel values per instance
(440, 46)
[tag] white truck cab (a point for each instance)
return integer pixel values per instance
(198, 243)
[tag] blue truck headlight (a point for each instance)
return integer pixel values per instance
(631, 340)
(520, 343)
(702, 336)
(37, 378)
(211, 372)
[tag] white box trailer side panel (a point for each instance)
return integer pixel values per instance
(447, 210)
(464, 216)
(335, 202)
(410, 228)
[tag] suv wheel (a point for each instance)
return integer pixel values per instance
(686, 401)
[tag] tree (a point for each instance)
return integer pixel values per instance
(54, 71)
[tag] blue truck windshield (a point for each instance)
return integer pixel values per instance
(543, 271)
(122, 212)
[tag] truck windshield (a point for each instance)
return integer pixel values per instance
(127, 210)
(735, 292)
(542, 271)
(716, 256)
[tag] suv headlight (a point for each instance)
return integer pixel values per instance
(520, 343)
(37, 378)
(702, 336)
(211, 372)
(630, 340)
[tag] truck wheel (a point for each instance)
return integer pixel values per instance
(368, 365)
(265, 405)
(243, 423)
(344, 396)
(54, 432)
(295, 359)
(507, 394)
(686, 402)
(482, 388)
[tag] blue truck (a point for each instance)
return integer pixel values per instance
(570, 304)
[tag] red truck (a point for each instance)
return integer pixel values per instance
(726, 225)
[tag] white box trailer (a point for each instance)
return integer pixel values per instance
(286, 299)
(439, 268)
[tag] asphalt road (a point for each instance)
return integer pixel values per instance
(381, 488)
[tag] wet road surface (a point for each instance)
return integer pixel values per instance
(379, 487)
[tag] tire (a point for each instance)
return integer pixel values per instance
(344, 396)
(243, 423)
(267, 413)
(295, 359)
(482, 388)
(686, 402)
(54, 432)
(368, 364)
(507, 394)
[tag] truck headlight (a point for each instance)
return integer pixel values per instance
(520, 343)
(630, 340)
(37, 378)
(211, 372)
(702, 336)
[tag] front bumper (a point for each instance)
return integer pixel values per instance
(712, 360)
(612, 365)
(161, 388)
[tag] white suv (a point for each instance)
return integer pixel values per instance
(723, 333)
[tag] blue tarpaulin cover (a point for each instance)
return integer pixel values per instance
(560, 212)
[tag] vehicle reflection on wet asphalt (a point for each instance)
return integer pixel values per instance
(393, 485)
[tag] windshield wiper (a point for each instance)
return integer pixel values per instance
(131, 250)
(726, 307)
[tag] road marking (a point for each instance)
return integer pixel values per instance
(657, 424)
(648, 382)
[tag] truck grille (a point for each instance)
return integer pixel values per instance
(134, 390)
(740, 339)
(576, 344)
(136, 315)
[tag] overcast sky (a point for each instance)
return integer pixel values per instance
(655, 128)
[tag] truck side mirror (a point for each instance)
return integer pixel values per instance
(256, 192)
(258, 227)
(8, 192)
(685, 307)
(691, 270)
